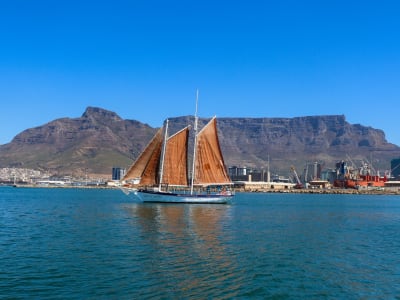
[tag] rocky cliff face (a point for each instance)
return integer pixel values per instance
(284, 142)
(100, 139)
(96, 142)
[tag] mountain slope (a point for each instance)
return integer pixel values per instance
(96, 141)
(252, 142)
(100, 139)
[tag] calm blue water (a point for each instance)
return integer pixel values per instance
(80, 244)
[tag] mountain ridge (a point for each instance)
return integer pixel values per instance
(100, 139)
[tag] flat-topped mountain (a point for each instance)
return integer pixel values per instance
(100, 140)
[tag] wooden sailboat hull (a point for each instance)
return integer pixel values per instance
(166, 197)
(128, 190)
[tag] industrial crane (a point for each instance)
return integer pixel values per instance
(298, 185)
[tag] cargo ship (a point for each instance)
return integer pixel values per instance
(349, 177)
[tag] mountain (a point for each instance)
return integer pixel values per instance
(95, 142)
(100, 140)
(284, 142)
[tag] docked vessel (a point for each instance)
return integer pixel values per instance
(348, 177)
(162, 174)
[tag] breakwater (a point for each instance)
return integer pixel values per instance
(324, 191)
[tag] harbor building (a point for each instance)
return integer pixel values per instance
(395, 168)
(118, 173)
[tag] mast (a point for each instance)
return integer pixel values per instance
(163, 155)
(195, 143)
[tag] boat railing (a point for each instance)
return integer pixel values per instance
(197, 189)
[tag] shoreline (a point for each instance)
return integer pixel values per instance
(338, 191)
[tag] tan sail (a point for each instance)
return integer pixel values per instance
(164, 163)
(175, 160)
(209, 165)
(146, 166)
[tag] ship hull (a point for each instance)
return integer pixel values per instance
(128, 190)
(356, 184)
(363, 184)
(167, 197)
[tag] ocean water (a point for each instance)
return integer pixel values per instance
(101, 244)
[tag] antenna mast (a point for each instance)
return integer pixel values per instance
(195, 143)
(161, 174)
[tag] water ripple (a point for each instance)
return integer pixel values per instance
(79, 244)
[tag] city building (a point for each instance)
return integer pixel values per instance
(118, 173)
(395, 168)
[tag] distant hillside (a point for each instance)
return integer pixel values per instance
(252, 142)
(100, 139)
(95, 142)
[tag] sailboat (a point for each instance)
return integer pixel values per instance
(161, 170)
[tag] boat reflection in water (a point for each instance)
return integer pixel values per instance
(185, 249)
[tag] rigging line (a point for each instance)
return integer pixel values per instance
(195, 143)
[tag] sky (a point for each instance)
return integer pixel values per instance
(144, 60)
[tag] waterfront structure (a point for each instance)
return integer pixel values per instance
(395, 167)
(118, 173)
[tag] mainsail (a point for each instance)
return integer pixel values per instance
(209, 164)
(175, 159)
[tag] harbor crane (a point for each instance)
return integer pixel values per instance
(298, 185)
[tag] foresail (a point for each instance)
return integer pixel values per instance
(175, 160)
(146, 166)
(150, 174)
(210, 166)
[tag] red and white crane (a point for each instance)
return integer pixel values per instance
(298, 185)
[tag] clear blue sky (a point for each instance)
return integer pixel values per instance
(144, 60)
